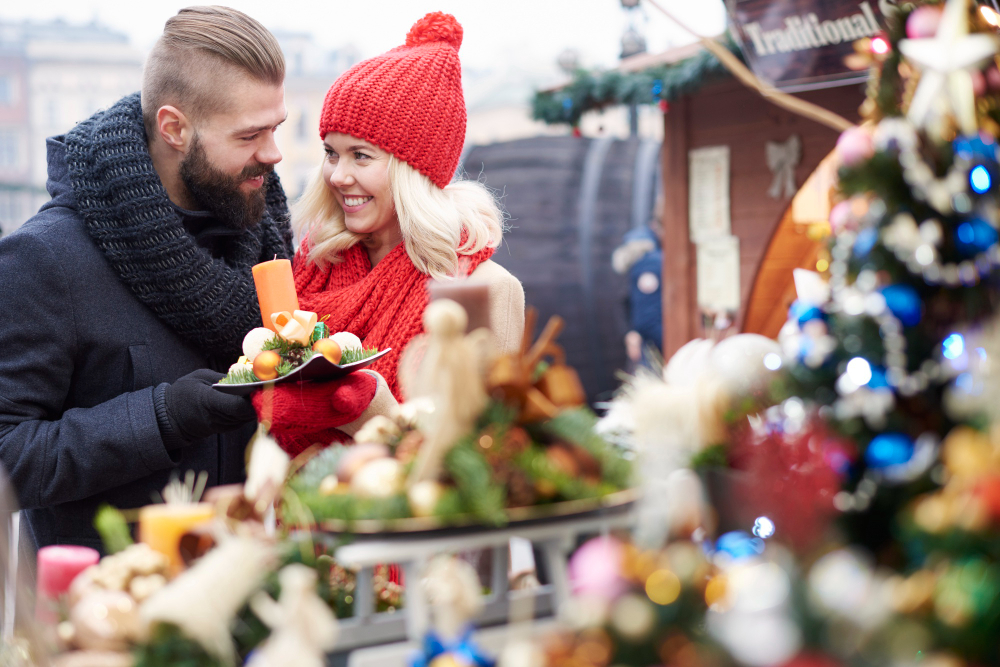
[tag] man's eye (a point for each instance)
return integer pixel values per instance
(248, 139)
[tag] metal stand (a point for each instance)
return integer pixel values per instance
(553, 539)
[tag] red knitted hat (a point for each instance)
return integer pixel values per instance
(408, 101)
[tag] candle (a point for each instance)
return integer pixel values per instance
(162, 526)
(471, 295)
(58, 565)
(275, 289)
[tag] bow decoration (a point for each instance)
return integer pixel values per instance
(294, 327)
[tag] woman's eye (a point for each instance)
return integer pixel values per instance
(330, 155)
(358, 155)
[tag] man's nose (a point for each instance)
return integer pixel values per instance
(268, 153)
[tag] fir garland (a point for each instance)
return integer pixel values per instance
(591, 90)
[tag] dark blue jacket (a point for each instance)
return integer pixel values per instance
(79, 358)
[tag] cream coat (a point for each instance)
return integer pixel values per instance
(506, 317)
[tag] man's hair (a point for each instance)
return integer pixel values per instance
(201, 48)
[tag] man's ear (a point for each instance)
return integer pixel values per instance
(174, 128)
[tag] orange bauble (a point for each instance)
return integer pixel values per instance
(265, 365)
(329, 349)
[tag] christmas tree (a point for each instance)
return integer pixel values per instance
(875, 473)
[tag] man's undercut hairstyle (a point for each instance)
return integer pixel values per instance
(203, 49)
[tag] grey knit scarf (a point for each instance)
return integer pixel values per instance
(210, 302)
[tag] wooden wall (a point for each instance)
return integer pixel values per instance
(730, 114)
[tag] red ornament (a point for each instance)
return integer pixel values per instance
(788, 480)
(811, 660)
(664, 106)
(576, 132)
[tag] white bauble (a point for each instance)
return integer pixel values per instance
(424, 497)
(738, 362)
(381, 478)
(254, 341)
(346, 340)
(688, 363)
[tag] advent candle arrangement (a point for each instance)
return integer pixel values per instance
(58, 565)
(162, 526)
(275, 289)
(473, 296)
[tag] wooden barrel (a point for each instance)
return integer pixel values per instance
(570, 201)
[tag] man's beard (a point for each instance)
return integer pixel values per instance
(219, 193)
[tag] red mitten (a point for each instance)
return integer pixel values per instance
(302, 415)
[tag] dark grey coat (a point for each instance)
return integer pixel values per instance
(79, 358)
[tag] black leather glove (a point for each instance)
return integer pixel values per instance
(190, 409)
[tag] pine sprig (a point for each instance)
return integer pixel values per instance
(169, 647)
(474, 479)
(578, 427)
(113, 529)
(239, 376)
(281, 346)
(350, 355)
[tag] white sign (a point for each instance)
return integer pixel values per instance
(719, 274)
(708, 193)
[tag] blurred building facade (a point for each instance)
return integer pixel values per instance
(55, 74)
(52, 75)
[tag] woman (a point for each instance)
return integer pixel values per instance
(382, 219)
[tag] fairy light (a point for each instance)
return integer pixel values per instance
(990, 15)
(880, 46)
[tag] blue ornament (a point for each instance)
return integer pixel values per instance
(904, 302)
(878, 378)
(978, 147)
(803, 312)
(567, 103)
(657, 87)
(889, 449)
(975, 236)
(739, 544)
(865, 241)
(464, 649)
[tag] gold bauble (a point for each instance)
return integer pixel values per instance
(265, 365)
(967, 453)
(448, 660)
(330, 349)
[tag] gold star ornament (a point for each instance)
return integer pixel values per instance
(945, 61)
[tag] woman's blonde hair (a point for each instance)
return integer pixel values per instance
(432, 220)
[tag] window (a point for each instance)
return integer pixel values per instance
(9, 145)
(7, 91)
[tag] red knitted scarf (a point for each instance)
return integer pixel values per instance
(383, 306)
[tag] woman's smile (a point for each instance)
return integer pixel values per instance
(354, 203)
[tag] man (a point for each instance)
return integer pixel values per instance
(134, 280)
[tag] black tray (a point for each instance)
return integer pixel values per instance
(317, 368)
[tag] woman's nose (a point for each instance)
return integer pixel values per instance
(341, 176)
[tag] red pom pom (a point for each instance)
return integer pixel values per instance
(435, 27)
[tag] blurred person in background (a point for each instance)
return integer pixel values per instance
(131, 289)
(382, 218)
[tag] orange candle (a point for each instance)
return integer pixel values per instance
(275, 289)
(162, 526)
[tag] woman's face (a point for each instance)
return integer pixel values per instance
(358, 175)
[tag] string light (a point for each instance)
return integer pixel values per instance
(880, 46)
(953, 346)
(979, 179)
